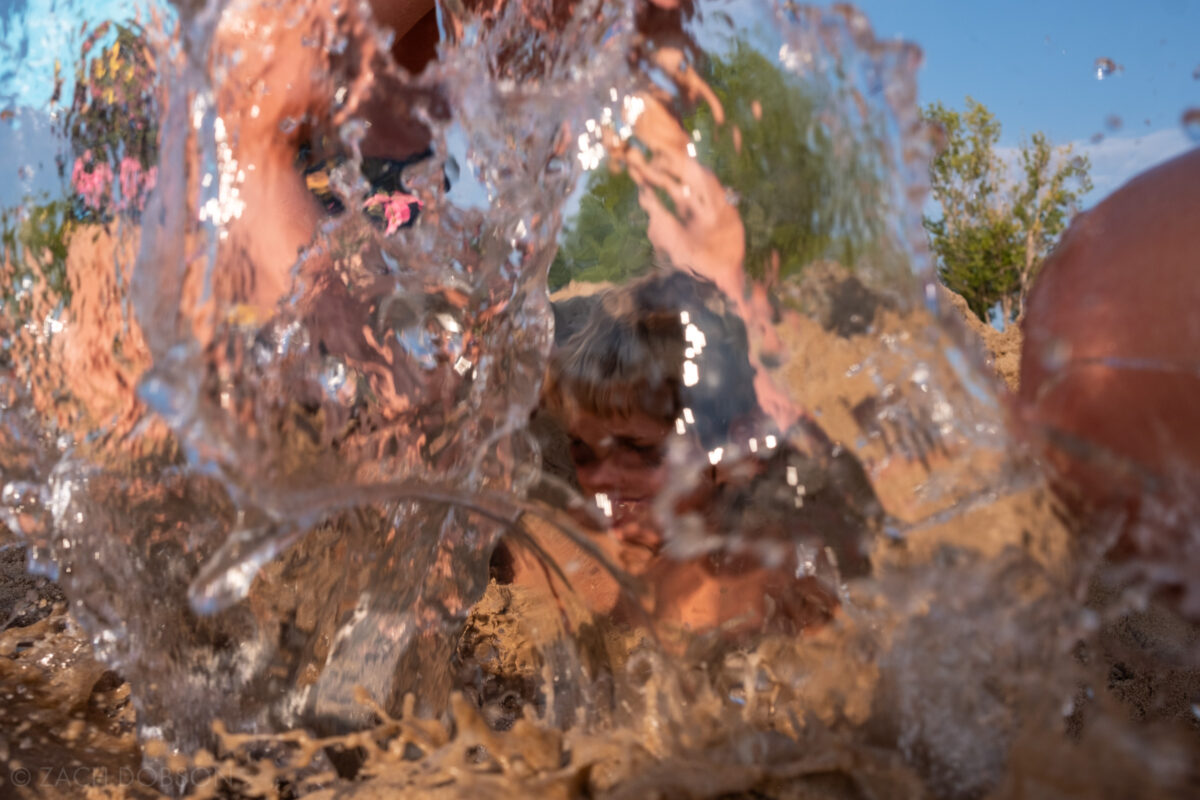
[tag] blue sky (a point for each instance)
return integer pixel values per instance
(1033, 64)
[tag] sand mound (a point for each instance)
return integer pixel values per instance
(1003, 348)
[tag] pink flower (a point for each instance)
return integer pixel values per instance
(93, 186)
(131, 179)
(135, 184)
(397, 208)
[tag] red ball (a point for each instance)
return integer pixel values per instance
(1110, 367)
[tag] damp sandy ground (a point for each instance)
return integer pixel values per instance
(66, 723)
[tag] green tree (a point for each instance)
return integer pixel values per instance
(113, 123)
(33, 249)
(994, 233)
(1053, 183)
(113, 120)
(114, 113)
(607, 240)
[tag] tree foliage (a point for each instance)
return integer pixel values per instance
(33, 248)
(994, 232)
(112, 127)
(607, 240)
(798, 199)
(113, 123)
(114, 112)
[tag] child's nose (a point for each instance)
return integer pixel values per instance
(603, 475)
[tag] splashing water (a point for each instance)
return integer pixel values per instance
(276, 445)
(1190, 120)
(1106, 68)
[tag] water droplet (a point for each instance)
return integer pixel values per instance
(452, 170)
(1191, 123)
(334, 377)
(1106, 67)
(289, 125)
(1113, 122)
(1097, 138)
(22, 508)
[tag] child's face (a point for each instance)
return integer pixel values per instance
(622, 458)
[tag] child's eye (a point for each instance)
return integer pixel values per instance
(581, 454)
(651, 454)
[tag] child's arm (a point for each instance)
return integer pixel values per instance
(274, 65)
(704, 234)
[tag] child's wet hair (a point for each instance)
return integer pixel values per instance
(659, 345)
